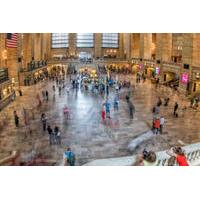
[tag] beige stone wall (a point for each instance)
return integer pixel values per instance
(164, 46)
(187, 52)
(196, 49)
(37, 46)
(27, 49)
(177, 44)
(127, 45)
(2, 50)
(145, 45)
(97, 47)
(135, 45)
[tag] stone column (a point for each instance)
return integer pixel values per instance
(37, 46)
(27, 48)
(163, 46)
(121, 46)
(166, 46)
(72, 43)
(158, 46)
(145, 45)
(48, 46)
(97, 45)
(12, 62)
(127, 45)
(3, 52)
(196, 50)
(135, 45)
(187, 58)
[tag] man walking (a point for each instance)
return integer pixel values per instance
(16, 119)
(44, 121)
(175, 109)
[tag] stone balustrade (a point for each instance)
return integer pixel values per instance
(192, 153)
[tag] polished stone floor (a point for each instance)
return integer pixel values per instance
(84, 132)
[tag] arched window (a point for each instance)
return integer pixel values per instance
(85, 40)
(110, 40)
(59, 40)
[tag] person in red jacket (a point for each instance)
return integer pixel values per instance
(178, 153)
(103, 115)
(156, 125)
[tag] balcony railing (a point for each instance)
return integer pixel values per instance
(34, 65)
(3, 75)
(192, 153)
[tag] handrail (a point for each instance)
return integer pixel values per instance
(11, 159)
(192, 153)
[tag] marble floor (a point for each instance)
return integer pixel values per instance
(84, 132)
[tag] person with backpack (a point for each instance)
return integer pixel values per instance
(69, 158)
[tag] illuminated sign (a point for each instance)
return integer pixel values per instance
(184, 78)
(157, 70)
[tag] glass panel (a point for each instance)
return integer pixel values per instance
(85, 40)
(110, 40)
(59, 40)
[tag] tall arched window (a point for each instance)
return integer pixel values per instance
(85, 40)
(59, 40)
(110, 40)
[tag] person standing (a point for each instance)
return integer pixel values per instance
(69, 158)
(103, 114)
(156, 125)
(175, 109)
(47, 95)
(43, 95)
(58, 137)
(162, 121)
(50, 132)
(44, 121)
(107, 104)
(16, 118)
(131, 109)
(116, 104)
(159, 103)
(54, 88)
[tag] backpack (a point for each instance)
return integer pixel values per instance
(70, 158)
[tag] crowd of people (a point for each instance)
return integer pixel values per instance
(103, 85)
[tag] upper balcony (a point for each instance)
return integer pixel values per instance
(4, 75)
(33, 65)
